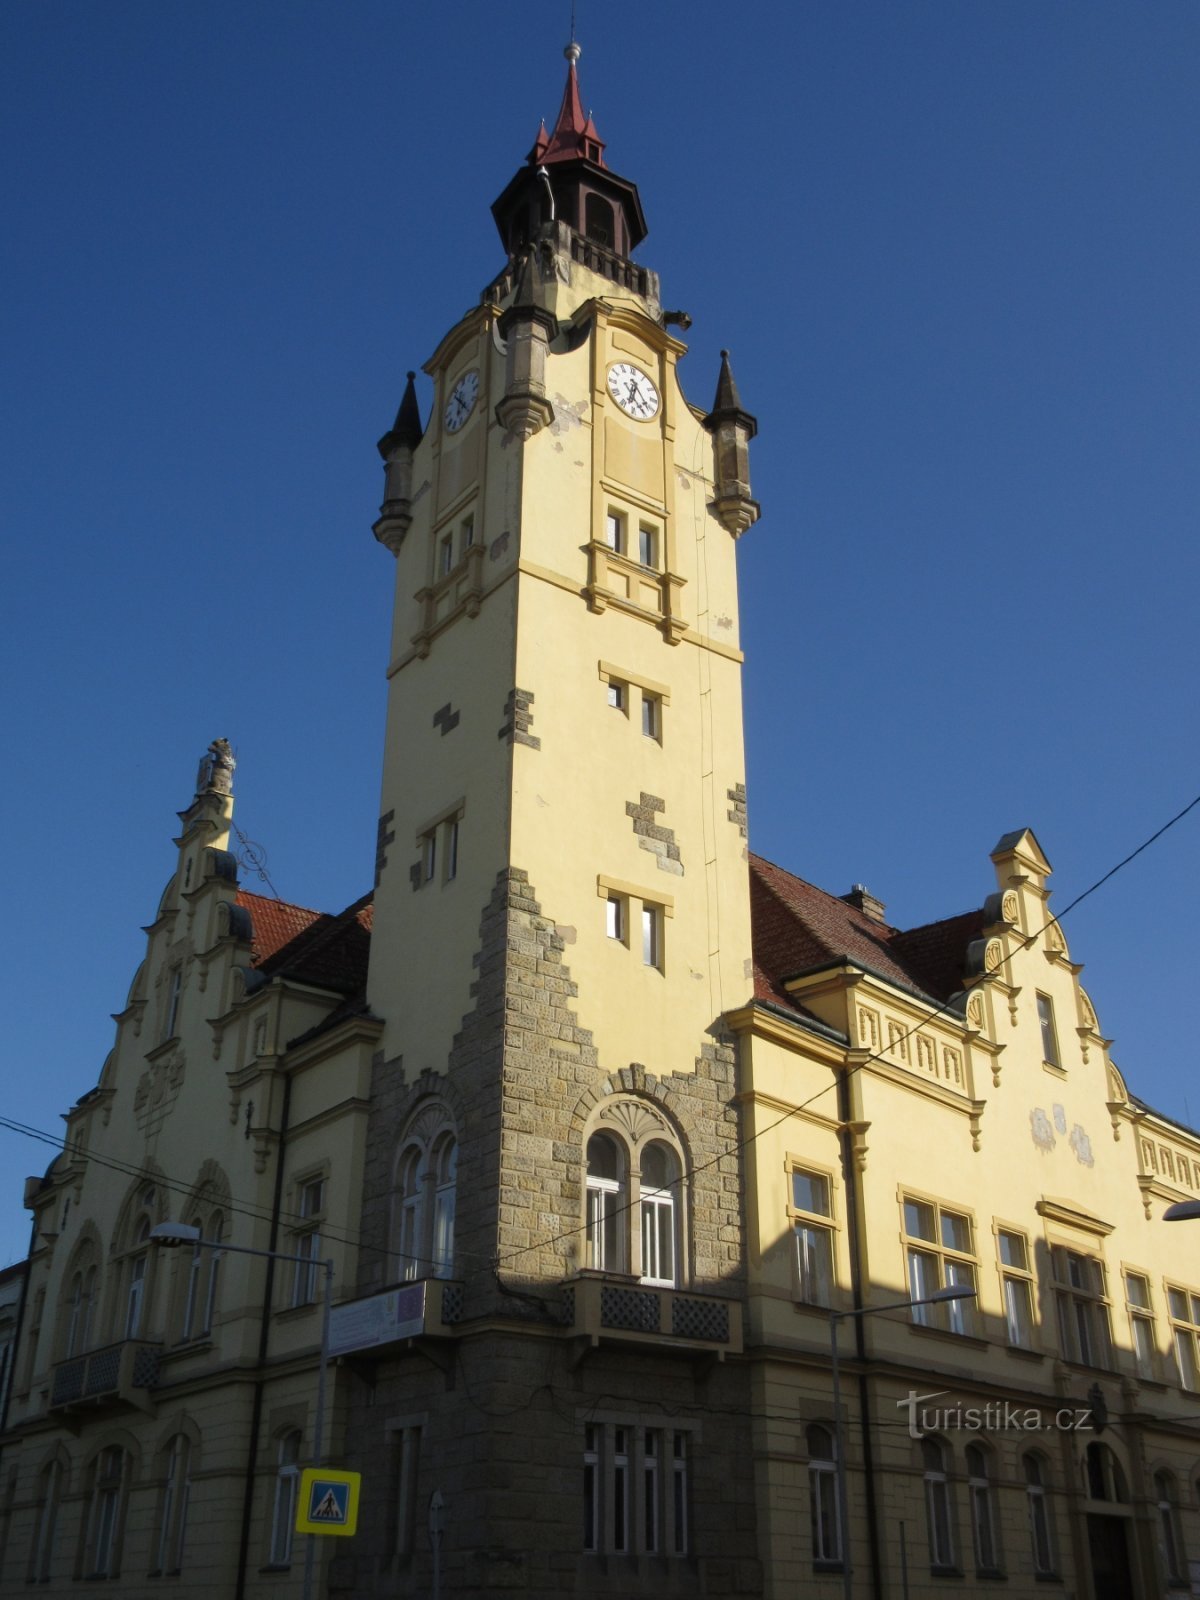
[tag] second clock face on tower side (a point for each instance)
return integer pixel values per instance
(633, 391)
(461, 402)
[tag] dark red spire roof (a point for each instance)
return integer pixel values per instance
(574, 134)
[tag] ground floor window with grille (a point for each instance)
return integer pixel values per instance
(635, 1489)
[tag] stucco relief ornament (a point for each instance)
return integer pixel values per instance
(1010, 906)
(1040, 1126)
(638, 1120)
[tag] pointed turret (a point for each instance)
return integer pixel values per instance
(576, 186)
(396, 447)
(732, 430)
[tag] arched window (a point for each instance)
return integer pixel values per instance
(1038, 1507)
(424, 1186)
(177, 1488)
(1103, 1478)
(287, 1477)
(216, 1232)
(824, 1512)
(635, 1215)
(136, 1274)
(49, 1496)
(102, 1546)
(660, 1174)
(1170, 1542)
(606, 1204)
(202, 1268)
(598, 220)
(983, 1511)
(77, 1328)
(938, 1521)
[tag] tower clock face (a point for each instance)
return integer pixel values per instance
(461, 402)
(633, 391)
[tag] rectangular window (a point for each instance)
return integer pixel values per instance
(452, 849)
(940, 1255)
(1183, 1308)
(616, 695)
(407, 1447)
(614, 913)
(1017, 1282)
(810, 1211)
(446, 555)
(175, 989)
(614, 532)
(1141, 1322)
(647, 546)
(306, 1273)
(1045, 1011)
(466, 534)
(651, 936)
(429, 855)
(651, 719)
(1082, 1307)
(635, 1490)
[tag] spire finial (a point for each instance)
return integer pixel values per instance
(573, 51)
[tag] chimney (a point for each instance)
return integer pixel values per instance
(861, 898)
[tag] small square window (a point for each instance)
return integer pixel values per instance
(647, 546)
(614, 532)
(651, 936)
(614, 912)
(651, 720)
(616, 696)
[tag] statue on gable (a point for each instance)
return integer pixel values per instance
(216, 769)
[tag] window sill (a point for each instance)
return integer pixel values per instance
(968, 1341)
(1047, 1577)
(1054, 1069)
(946, 1572)
(826, 1566)
(264, 1572)
(294, 1313)
(990, 1575)
(1026, 1352)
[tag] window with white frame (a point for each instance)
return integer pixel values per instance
(1016, 1282)
(81, 1305)
(651, 715)
(306, 1241)
(823, 1510)
(137, 1270)
(1141, 1322)
(614, 531)
(1045, 1011)
(49, 1495)
(1183, 1309)
(283, 1510)
(939, 1522)
(940, 1255)
(617, 694)
(635, 1489)
(446, 555)
(1037, 1508)
(424, 1189)
(177, 1488)
(615, 917)
(984, 1522)
(652, 936)
(811, 1213)
(439, 846)
(1082, 1307)
(106, 1509)
(634, 1202)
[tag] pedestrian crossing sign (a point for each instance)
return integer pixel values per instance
(328, 1501)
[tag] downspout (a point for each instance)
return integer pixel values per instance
(853, 1228)
(264, 1334)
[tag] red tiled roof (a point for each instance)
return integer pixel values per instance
(330, 952)
(797, 928)
(276, 923)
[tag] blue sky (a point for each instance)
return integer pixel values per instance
(953, 249)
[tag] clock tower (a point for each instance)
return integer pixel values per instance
(562, 903)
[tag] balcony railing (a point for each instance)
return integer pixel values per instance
(124, 1372)
(601, 1308)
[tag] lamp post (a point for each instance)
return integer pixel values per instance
(1182, 1211)
(836, 1318)
(171, 1234)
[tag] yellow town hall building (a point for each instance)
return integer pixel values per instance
(604, 1123)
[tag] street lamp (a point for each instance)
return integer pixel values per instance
(1182, 1211)
(836, 1318)
(172, 1234)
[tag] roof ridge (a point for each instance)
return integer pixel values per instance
(835, 899)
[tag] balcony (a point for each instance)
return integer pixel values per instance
(119, 1374)
(599, 1308)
